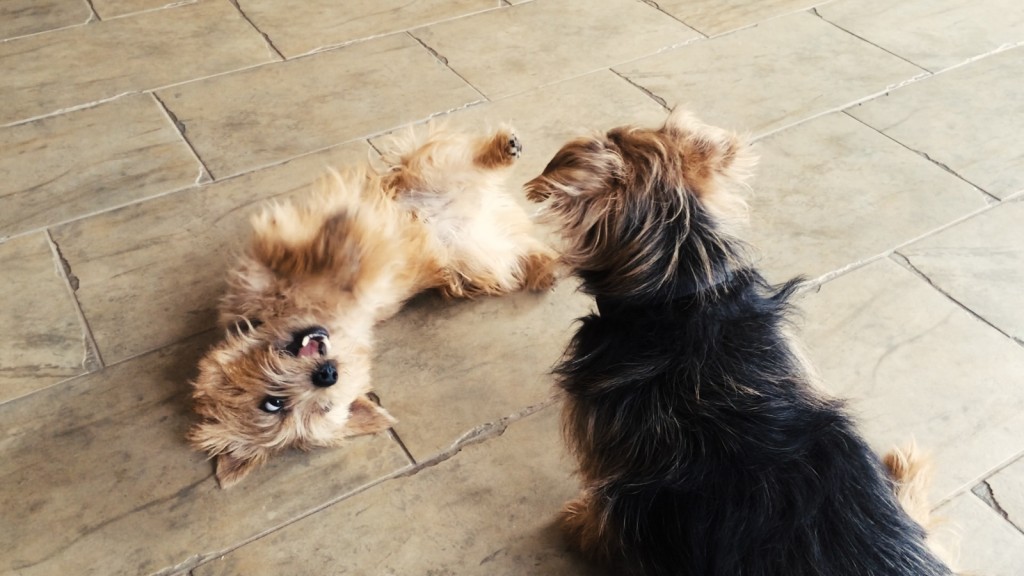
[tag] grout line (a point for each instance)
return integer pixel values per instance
(815, 284)
(392, 433)
(651, 95)
(92, 361)
(906, 263)
(170, 4)
(95, 15)
(440, 58)
(266, 38)
(655, 5)
(179, 127)
(814, 11)
(989, 198)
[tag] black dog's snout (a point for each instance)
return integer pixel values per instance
(326, 375)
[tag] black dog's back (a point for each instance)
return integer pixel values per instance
(716, 457)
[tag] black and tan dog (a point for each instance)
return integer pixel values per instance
(703, 446)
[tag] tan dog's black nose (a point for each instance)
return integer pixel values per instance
(326, 375)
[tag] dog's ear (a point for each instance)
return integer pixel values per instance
(712, 157)
(212, 437)
(231, 468)
(366, 417)
(582, 168)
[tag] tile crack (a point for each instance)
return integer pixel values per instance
(987, 495)
(266, 37)
(91, 358)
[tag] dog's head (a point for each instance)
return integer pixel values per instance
(277, 384)
(645, 212)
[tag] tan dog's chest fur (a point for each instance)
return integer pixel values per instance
(301, 303)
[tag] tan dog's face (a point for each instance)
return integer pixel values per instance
(270, 386)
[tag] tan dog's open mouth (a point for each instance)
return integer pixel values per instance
(311, 342)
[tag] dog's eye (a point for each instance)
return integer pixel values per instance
(272, 404)
(244, 326)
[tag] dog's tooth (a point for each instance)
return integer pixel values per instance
(305, 340)
(327, 343)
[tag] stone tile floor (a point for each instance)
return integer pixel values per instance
(136, 137)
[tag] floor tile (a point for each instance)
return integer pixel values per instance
(101, 467)
(42, 339)
(714, 17)
(1007, 487)
(444, 368)
(832, 192)
(916, 365)
(174, 250)
(980, 263)
(22, 17)
(298, 29)
(934, 34)
(977, 137)
(982, 542)
(90, 63)
(62, 167)
(313, 102)
(503, 52)
(489, 510)
(776, 74)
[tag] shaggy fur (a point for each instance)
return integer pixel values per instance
(703, 447)
(301, 303)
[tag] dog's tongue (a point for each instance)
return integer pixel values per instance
(310, 349)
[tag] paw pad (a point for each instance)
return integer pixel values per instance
(515, 147)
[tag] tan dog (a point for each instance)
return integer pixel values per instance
(301, 304)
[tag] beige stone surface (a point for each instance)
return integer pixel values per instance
(979, 539)
(900, 190)
(968, 119)
(308, 26)
(503, 52)
(23, 17)
(41, 339)
(314, 102)
(771, 76)
(1007, 488)
(90, 63)
(917, 366)
(832, 192)
(67, 166)
(151, 274)
(446, 368)
(715, 17)
(980, 263)
(104, 461)
(934, 34)
(490, 511)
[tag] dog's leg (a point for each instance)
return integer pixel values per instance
(498, 150)
(539, 267)
(583, 522)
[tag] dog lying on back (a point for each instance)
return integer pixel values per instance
(703, 447)
(319, 273)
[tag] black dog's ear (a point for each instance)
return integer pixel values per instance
(245, 325)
